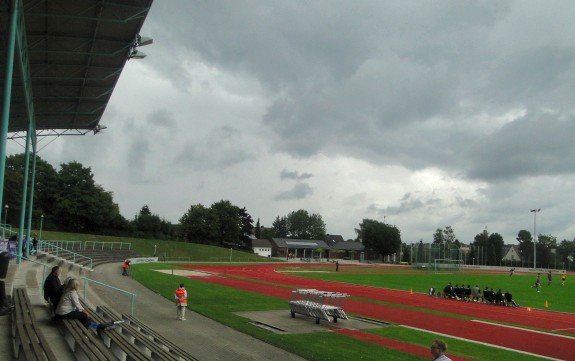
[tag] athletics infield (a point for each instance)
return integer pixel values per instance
(519, 329)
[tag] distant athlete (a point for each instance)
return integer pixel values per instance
(563, 277)
(537, 282)
(549, 278)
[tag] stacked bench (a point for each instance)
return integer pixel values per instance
(28, 341)
(156, 337)
(143, 337)
(85, 345)
(121, 347)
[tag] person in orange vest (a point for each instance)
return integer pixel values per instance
(181, 302)
(125, 267)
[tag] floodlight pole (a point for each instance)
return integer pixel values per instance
(535, 211)
(40, 235)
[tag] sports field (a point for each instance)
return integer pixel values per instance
(398, 297)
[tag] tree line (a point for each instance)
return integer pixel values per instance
(487, 248)
(70, 200)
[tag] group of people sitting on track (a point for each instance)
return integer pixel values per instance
(474, 294)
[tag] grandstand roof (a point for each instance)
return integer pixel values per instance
(76, 51)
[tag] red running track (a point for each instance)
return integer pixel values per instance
(544, 344)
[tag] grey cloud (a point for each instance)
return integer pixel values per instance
(285, 174)
(163, 118)
(299, 191)
(223, 147)
(535, 145)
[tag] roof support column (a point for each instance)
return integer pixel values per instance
(32, 183)
(24, 194)
(11, 44)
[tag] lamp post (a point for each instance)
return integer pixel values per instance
(535, 211)
(40, 235)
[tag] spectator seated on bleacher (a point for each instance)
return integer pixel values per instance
(69, 306)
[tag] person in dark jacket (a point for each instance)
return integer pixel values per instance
(53, 287)
(509, 299)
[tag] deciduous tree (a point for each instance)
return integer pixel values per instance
(199, 225)
(381, 237)
(302, 225)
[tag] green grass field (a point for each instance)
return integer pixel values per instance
(220, 303)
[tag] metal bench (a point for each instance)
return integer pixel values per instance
(156, 337)
(27, 339)
(156, 346)
(83, 342)
(122, 348)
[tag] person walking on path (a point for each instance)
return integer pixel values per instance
(438, 348)
(125, 267)
(563, 277)
(549, 278)
(181, 302)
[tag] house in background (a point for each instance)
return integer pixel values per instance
(264, 247)
(300, 248)
(351, 250)
(511, 253)
(332, 239)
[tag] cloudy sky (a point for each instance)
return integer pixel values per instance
(423, 114)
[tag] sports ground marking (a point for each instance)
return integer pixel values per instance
(483, 343)
(527, 329)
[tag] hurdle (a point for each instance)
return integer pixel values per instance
(321, 305)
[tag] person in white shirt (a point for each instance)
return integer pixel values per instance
(69, 306)
(438, 348)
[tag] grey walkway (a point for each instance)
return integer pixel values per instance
(200, 336)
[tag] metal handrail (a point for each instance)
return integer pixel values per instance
(104, 245)
(48, 247)
(132, 295)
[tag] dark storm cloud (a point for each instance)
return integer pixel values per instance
(534, 145)
(224, 147)
(285, 174)
(358, 79)
(471, 95)
(299, 191)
